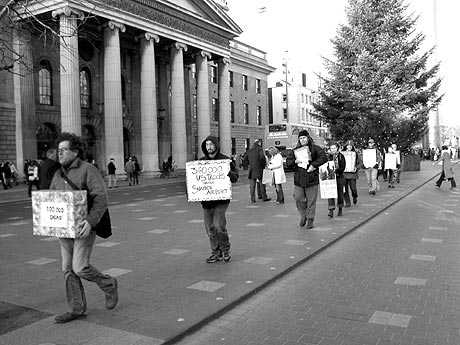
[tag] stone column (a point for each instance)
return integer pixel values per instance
(225, 128)
(178, 127)
(149, 126)
(69, 69)
(113, 119)
(202, 96)
(24, 99)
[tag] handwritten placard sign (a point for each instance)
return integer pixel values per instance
(369, 158)
(54, 214)
(208, 180)
(327, 181)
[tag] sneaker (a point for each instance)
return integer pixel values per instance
(67, 317)
(303, 221)
(226, 257)
(310, 223)
(111, 298)
(214, 258)
(267, 199)
(355, 200)
(330, 213)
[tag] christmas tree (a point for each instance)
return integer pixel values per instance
(379, 84)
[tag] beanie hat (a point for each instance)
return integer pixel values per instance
(304, 133)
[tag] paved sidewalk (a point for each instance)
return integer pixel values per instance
(158, 251)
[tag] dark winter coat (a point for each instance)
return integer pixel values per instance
(257, 162)
(305, 179)
(46, 172)
(111, 168)
(340, 167)
(233, 173)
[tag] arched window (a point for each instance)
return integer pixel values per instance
(85, 88)
(44, 83)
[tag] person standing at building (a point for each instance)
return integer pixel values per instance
(256, 160)
(275, 164)
(111, 170)
(306, 179)
(47, 169)
(339, 164)
(137, 170)
(76, 252)
(214, 211)
(130, 167)
(32, 177)
(350, 173)
(371, 167)
(447, 168)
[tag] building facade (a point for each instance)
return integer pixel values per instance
(133, 77)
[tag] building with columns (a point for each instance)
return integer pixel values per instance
(149, 78)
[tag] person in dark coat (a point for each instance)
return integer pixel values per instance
(214, 211)
(306, 179)
(339, 163)
(47, 169)
(256, 159)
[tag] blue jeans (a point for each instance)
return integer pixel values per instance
(371, 175)
(75, 255)
(216, 228)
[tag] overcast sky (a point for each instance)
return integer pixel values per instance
(304, 29)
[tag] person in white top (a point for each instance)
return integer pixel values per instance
(397, 172)
(275, 164)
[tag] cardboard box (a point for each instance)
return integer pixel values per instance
(58, 213)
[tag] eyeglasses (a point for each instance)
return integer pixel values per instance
(64, 149)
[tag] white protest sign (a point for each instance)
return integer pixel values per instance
(303, 155)
(208, 180)
(350, 161)
(369, 158)
(390, 161)
(327, 181)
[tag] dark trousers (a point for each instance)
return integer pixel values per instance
(30, 184)
(340, 185)
(350, 184)
(441, 179)
(279, 193)
(261, 192)
(216, 228)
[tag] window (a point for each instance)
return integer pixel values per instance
(232, 111)
(284, 96)
(304, 80)
(247, 143)
(259, 115)
(44, 83)
(258, 87)
(215, 109)
(284, 114)
(246, 113)
(233, 146)
(214, 74)
(85, 88)
(230, 78)
(245, 82)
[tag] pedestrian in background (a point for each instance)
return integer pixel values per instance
(111, 169)
(32, 177)
(214, 211)
(76, 173)
(3, 175)
(275, 164)
(338, 158)
(47, 169)
(447, 168)
(137, 170)
(371, 171)
(256, 159)
(130, 168)
(306, 179)
(390, 171)
(397, 172)
(350, 173)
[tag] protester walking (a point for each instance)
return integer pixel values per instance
(130, 168)
(47, 169)
(372, 161)
(77, 174)
(256, 160)
(306, 178)
(350, 174)
(111, 170)
(391, 170)
(214, 211)
(447, 172)
(339, 164)
(275, 164)
(397, 172)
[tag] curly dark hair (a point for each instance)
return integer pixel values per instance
(75, 143)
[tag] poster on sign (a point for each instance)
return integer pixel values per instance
(390, 161)
(208, 180)
(327, 181)
(303, 155)
(369, 158)
(58, 213)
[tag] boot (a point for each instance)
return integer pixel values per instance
(339, 214)
(309, 223)
(331, 213)
(303, 220)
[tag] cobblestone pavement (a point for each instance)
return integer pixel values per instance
(394, 281)
(158, 252)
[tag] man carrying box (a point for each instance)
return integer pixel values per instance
(76, 252)
(214, 211)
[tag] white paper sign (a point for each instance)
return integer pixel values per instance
(369, 158)
(303, 154)
(390, 161)
(327, 181)
(207, 180)
(350, 161)
(54, 214)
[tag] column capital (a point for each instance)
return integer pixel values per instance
(224, 61)
(206, 54)
(67, 11)
(179, 46)
(112, 25)
(148, 36)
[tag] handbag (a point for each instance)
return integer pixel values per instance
(104, 227)
(267, 176)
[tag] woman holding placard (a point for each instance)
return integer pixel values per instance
(275, 164)
(391, 164)
(339, 167)
(372, 160)
(350, 173)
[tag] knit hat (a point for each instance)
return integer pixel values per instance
(304, 133)
(350, 142)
